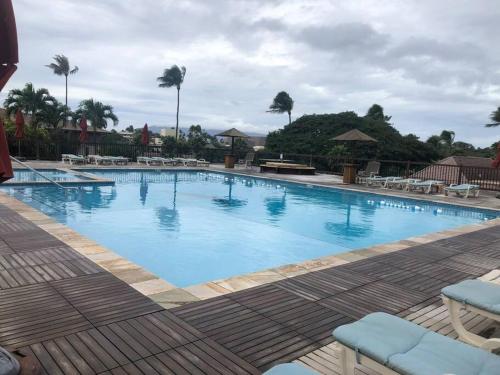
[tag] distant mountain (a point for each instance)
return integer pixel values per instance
(156, 129)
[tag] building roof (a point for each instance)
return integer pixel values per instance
(449, 171)
(466, 161)
(354, 135)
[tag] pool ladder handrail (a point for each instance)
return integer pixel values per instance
(65, 188)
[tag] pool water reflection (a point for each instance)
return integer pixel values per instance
(193, 227)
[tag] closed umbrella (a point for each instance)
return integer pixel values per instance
(84, 135)
(6, 172)
(496, 163)
(8, 46)
(19, 130)
(145, 135)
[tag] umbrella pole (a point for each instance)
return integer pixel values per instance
(18, 147)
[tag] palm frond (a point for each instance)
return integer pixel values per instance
(173, 76)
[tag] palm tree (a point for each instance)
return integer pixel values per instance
(447, 137)
(495, 117)
(54, 113)
(96, 113)
(173, 77)
(61, 67)
(30, 101)
(282, 103)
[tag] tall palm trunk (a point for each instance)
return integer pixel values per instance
(66, 90)
(177, 117)
(66, 102)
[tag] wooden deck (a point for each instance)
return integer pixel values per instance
(76, 318)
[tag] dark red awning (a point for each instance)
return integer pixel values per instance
(145, 135)
(8, 58)
(8, 42)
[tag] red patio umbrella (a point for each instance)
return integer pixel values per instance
(19, 130)
(84, 135)
(8, 58)
(5, 164)
(145, 135)
(496, 163)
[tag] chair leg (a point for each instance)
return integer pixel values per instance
(347, 361)
(454, 308)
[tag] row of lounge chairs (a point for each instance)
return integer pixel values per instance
(94, 159)
(423, 186)
(390, 345)
(120, 160)
(186, 162)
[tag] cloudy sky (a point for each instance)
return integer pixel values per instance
(432, 65)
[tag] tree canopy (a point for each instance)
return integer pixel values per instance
(97, 113)
(312, 134)
(32, 102)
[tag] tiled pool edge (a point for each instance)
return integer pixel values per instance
(169, 296)
(91, 180)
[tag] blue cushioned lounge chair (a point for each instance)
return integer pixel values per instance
(479, 297)
(290, 369)
(391, 345)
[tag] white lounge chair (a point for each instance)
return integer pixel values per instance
(390, 345)
(147, 160)
(480, 297)
(73, 159)
(463, 190)
(119, 160)
(248, 161)
(380, 181)
(425, 186)
(202, 163)
(372, 169)
(187, 162)
(401, 184)
(165, 161)
(99, 160)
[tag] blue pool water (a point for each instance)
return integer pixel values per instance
(25, 175)
(193, 227)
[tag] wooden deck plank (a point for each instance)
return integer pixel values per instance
(74, 317)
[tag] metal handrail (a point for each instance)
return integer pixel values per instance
(41, 174)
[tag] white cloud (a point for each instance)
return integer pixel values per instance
(430, 64)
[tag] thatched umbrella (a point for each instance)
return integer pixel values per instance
(232, 133)
(352, 136)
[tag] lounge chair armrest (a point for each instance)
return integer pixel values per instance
(491, 344)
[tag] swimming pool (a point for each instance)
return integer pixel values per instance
(26, 175)
(193, 227)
